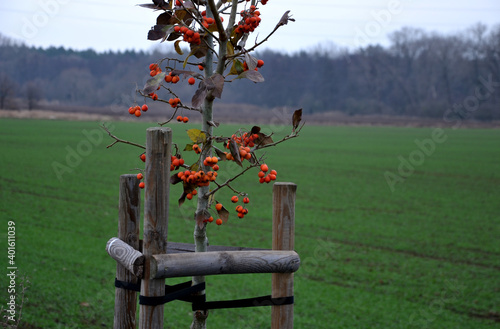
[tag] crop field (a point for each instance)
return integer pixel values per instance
(396, 227)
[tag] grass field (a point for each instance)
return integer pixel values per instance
(425, 255)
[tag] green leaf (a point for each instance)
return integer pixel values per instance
(197, 136)
(236, 68)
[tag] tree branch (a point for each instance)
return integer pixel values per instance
(118, 140)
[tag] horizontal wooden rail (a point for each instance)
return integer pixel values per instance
(223, 262)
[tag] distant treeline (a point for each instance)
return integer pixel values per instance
(418, 74)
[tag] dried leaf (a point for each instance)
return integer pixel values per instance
(164, 19)
(284, 19)
(152, 84)
(263, 139)
(255, 130)
(200, 50)
(296, 118)
(252, 76)
(197, 136)
(221, 154)
(199, 95)
(251, 61)
(178, 48)
(182, 199)
(235, 152)
(174, 179)
(223, 214)
(216, 85)
(157, 32)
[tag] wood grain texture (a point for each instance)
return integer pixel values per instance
(127, 244)
(156, 197)
(223, 262)
(127, 257)
(283, 239)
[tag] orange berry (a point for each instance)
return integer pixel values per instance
(175, 79)
(215, 167)
(241, 215)
(142, 185)
(189, 196)
(131, 110)
(200, 67)
(273, 172)
(154, 96)
(179, 118)
(239, 208)
(261, 174)
(191, 81)
(140, 176)
(218, 221)
(144, 108)
(137, 113)
(168, 78)
(234, 199)
(210, 219)
(143, 157)
(264, 167)
(260, 63)
(246, 200)
(185, 119)
(153, 66)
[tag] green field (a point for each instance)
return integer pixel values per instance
(425, 255)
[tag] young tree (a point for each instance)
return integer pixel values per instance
(218, 39)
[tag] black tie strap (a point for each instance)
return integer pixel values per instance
(184, 291)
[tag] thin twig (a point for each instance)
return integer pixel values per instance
(118, 140)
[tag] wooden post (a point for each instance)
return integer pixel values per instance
(128, 257)
(128, 231)
(156, 200)
(283, 239)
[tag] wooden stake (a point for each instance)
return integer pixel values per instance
(283, 239)
(128, 231)
(156, 197)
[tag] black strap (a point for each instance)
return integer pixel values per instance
(128, 285)
(184, 291)
(239, 303)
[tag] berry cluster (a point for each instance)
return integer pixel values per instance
(180, 118)
(169, 78)
(154, 69)
(199, 178)
(211, 162)
(189, 35)
(246, 139)
(196, 148)
(136, 110)
(264, 177)
(250, 20)
(175, 162)
(174, 102)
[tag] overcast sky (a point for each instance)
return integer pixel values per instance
(119, 25)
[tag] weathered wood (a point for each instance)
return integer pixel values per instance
(156, 201)
(223, 262)
(126, 256)
(128, 231)
(283, 239)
